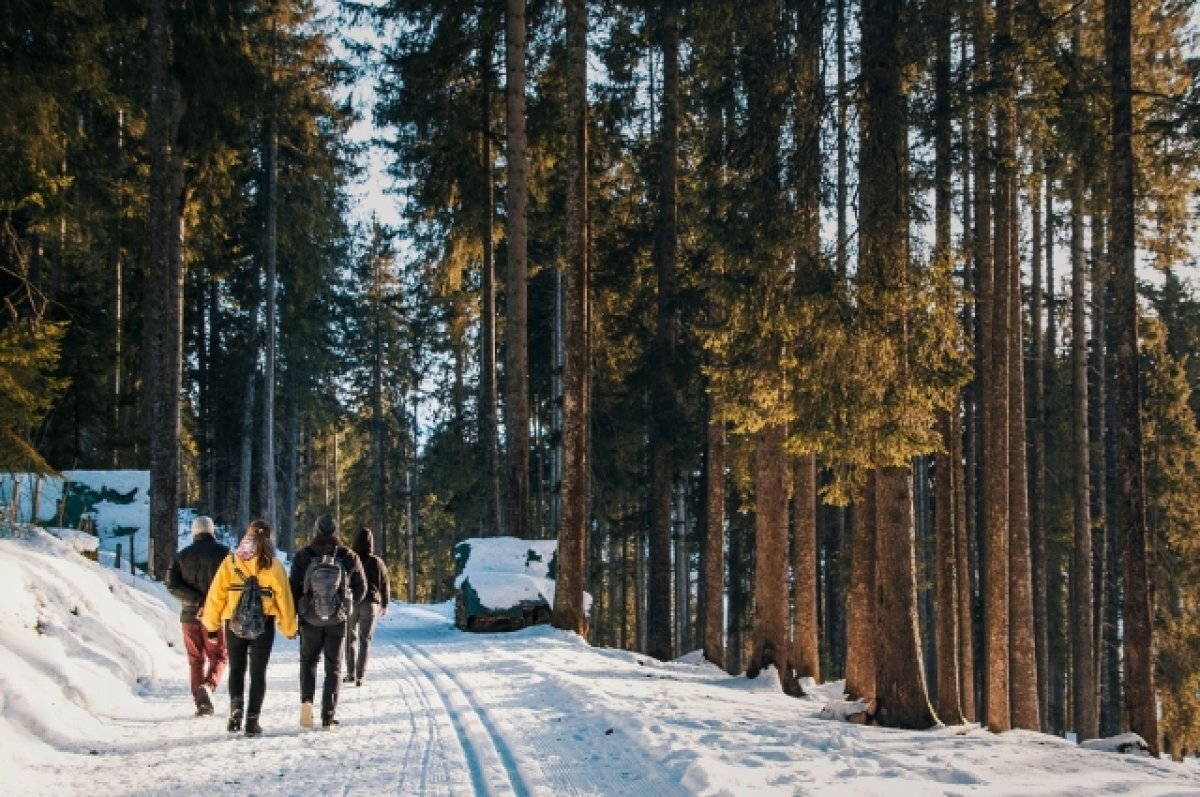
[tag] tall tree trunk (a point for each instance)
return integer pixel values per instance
(410, 479)
(1140, 704)
(162, 355)
(378, 421)
(903, 701)
(516, 416)
(247, 458)
(214, 383)
(489, 423)
(836, 582)
(771, 639)
(761, 69)
(806, 652)
(813, 278)
(569, 610)
(1055, 588)
(1084, 694)
(967, 520)
(270, 297)
(291, 473)
(949, 706)
(1037, 448)
(962, 565)
(119, 434)
(663, 407)
(712, 584)
(993, 310)
(947, 469)
(1098, 434)
(860, 609)
(842, 248)
(683, 597)
(739, 539)
(1023, 671)
(1023, 651)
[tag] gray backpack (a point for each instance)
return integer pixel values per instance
(326, 597)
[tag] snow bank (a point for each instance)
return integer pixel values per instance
(80, 644)
(1121, 743)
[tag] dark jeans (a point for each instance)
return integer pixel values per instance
(361, 627)
(206, 657)
(258, 653)
(316, 640)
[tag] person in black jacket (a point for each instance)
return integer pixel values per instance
(362, 619)
(318, 637)
(189, 578)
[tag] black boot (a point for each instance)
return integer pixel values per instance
(235, 717)
(253, 729)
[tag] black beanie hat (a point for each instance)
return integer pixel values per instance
(325, 527)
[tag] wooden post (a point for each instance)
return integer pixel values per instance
(62, 501)
(117, 561)
(35, 498)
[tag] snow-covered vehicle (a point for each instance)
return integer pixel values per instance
(503, 583)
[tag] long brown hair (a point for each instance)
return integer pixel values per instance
(262, 532)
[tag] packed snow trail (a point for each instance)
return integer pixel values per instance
(441, 713)
(94, 703)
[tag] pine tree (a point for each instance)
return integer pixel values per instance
(1172, 444)
(814, 278)
(663, 401)
(1140, 704)
(570, 613)
(516, 394)
(29, 354)
(883, 275)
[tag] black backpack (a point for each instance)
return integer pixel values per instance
(248, 620)
(326, 597)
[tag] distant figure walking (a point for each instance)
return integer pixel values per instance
(188, 580)
(362, 619)
(250, 596)
(327, 581)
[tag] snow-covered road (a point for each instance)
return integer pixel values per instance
(94, 703)
(441, 713)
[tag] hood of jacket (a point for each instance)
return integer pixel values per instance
(364, 543)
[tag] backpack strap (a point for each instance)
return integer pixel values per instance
(239, 587)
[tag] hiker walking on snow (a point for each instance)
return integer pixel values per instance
(251, 597)
(188, 580)
(362, 619)
(327, 581)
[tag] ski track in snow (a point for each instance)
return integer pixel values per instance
(523, 713)
(492, 770)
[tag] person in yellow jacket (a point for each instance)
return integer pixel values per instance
(255, 556)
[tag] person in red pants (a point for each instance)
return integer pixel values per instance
(189, 578)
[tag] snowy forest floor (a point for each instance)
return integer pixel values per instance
(444, 713)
